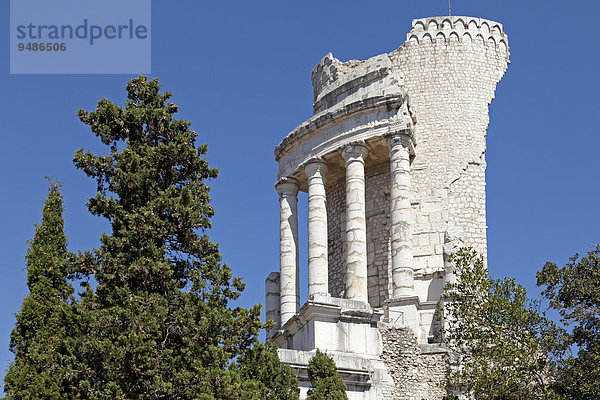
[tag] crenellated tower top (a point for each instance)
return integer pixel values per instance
(458, 29)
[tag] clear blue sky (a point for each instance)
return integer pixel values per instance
(241, 73)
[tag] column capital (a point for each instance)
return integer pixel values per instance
(404, 138)
(286, 186)
(314, 165)
(355, 150)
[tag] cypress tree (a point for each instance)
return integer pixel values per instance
(326, 382)
(159, 320)
(265, 376)
(43, 338)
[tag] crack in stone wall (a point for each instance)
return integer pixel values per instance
(466, 199)
(450, 85)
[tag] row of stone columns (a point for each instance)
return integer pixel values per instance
(356, 228)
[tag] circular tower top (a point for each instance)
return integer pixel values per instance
(458, 28)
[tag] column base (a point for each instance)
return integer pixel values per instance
(332, 324)
(410, 312)
(319, 297)
(401, 312)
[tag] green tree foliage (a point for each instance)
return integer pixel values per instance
(158, 319)
(43, 338)
(574, 291)
(265, 376)
(324, 378)
(496, 334)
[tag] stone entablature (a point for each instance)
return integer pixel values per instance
(328, 133)
(393, 161)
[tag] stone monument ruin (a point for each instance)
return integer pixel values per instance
(393, 161)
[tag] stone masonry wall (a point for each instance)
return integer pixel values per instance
(466, 199)
(450, 69)
(432, 218)
(336, 236)
(417, 375)
(377, 199)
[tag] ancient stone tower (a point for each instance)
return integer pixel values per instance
(393, 161)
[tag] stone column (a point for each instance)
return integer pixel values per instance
(272, 302)
(401, 215)
(356, 224)
(288, 248)
(316, 170)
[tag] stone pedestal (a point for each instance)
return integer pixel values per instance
(411, 313)
(365, 377)
(332, 324)
(346, 330)
(402, 312)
